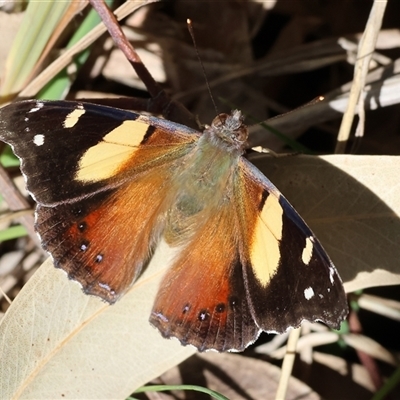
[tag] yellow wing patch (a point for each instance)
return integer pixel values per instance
(103, 160)
(265, 253)
(307, 251)
(73, 117)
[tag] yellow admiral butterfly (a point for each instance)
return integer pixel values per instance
(110, 184)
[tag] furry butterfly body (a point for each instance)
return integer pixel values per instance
(110, 184)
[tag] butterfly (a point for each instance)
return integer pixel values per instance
(110, 184)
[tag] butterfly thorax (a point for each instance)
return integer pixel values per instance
(205, 183)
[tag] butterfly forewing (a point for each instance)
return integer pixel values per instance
(100, 227)
(71, 150)
(289, 277)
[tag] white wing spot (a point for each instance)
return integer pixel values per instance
(331, 273)
(309, 293)
(39, 105)
(160, 316)
(38, 140)
(104, 286)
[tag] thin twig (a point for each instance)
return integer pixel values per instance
(287, 365)
(115, 30)
(366, 360)
(171, 108)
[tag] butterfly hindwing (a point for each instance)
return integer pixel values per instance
(105, 240)
(202, 299)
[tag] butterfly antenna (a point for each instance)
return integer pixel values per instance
(190, 29)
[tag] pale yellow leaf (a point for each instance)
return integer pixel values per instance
(57, 342)
(352, 203)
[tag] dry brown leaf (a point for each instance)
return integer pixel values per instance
(236, 377)
(335, 378)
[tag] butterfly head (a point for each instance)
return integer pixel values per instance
(229, 131)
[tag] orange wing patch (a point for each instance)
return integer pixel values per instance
(104, 242)
(202, 298)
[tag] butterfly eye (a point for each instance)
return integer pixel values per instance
(241, 134)
(219, 120)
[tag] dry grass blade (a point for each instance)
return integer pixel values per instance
(66, 58)
(382, 90)
(17, 202)
(371, 347)
(366, 49)
(387, 308)
(308, 341)
(29, 44)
